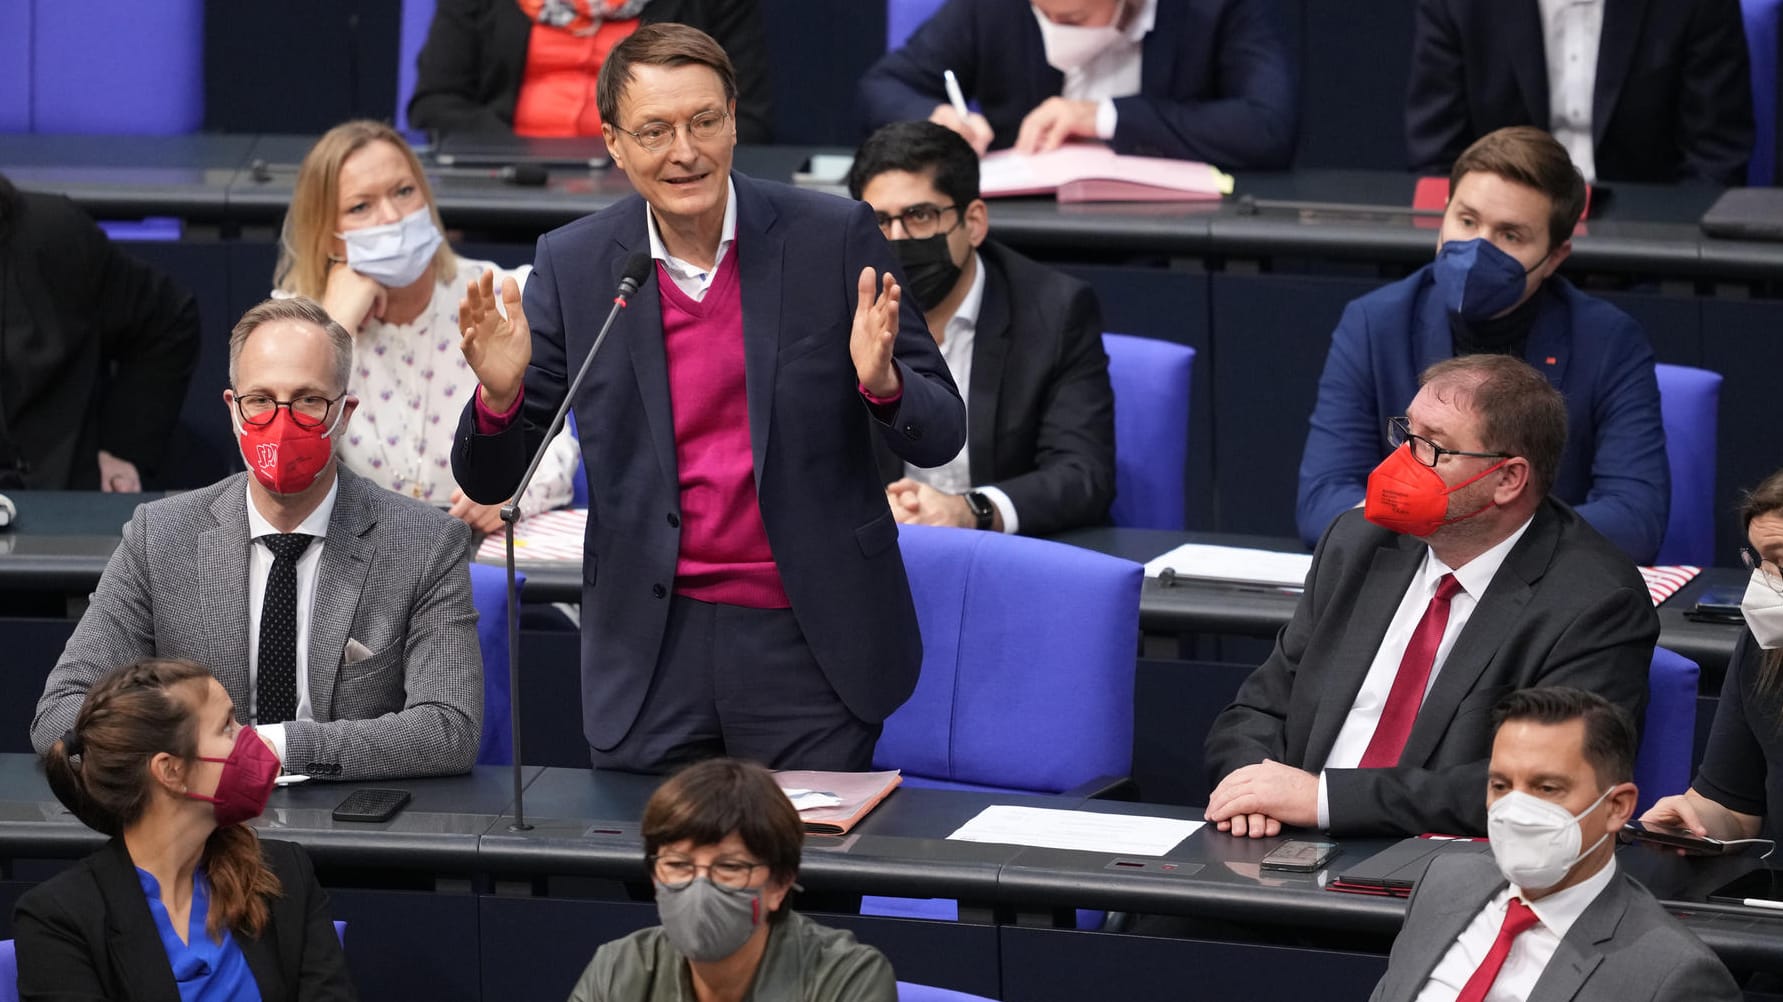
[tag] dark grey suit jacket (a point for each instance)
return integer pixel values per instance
(1040, 411)
(1624, 948)
(393, 578)
(1566, 608)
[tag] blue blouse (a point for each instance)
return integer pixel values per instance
(206, 971)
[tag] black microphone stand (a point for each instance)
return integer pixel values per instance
(510, 513)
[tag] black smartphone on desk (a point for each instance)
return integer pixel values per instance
(1718, 605)
(371, 805)
(1297, 856)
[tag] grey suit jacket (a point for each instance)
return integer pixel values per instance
(1624, 947)
(392, 577)
(1565, 608)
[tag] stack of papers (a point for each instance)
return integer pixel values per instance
(1088, 172)
(1236, 564)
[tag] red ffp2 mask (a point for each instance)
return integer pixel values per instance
(1406, 496)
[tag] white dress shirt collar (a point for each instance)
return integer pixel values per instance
(1478, 573)
(687, 277)
(313, 524)
(1558, 911)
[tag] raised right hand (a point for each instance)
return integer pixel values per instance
(350, 297)
(497, 348)
(975, 127)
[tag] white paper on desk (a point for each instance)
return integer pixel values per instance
(1233, 563)
(1084, 830)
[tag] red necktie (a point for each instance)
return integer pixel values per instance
(1517, 917)
(1407, 693)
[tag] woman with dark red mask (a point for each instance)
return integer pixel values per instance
(185, 902)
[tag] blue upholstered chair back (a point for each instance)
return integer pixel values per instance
(902, 17)
(908, 992)
(121, 67)
(1762, 42)
(1151, 429)
(1689, 400)
(9, 971)
(1668, 736)
(417, 16)
(1027, 673)
(489, 593)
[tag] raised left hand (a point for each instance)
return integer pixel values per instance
(875, 332)
(1053, 121)
(483, 518)
(1270, 789)
(118, 476)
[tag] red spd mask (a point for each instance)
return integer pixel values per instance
(1408, 497)
(247, 780)
(283, 455)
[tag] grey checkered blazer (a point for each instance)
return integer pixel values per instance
(392, 578)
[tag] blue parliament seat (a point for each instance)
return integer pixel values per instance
(902, 17)
(1668, 735)
(489, 593)
(911, 992)
(1151, 429)
(1762, 42)
(139, 69)
(1689, 402)
(417, 16)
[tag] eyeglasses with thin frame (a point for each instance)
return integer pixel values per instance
(1399, 431)
(921, 220)
(310, 410)
(655, 136)
(1768, 570)
(676, 872)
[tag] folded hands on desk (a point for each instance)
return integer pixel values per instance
(1257, 800)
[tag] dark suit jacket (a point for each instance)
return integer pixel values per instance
(1613, 469)
(93, 310)
(1216, 79)
(468, 76)
(1565, 608)
(1623, 948)
(88, 933)
(1040, 414)
(800, 254)
(1673, 99)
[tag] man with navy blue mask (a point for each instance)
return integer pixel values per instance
(1514, 199)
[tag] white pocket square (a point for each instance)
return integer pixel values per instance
(356, 652)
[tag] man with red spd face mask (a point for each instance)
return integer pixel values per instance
(1459, 580)
(337, 614)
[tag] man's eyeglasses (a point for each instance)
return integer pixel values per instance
(921, 221)
(1769, 571)
(1399, 432)
(678, 873)
(655, 136)
(308, 411)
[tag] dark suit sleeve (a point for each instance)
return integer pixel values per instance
(1715, 126)
(55, 960)
(1437, 125)
(1607, 649)
(1248, 126)
(1072, 483)
(1630, 493)
(1343, 439)
(736, 25)
(450, 70)
(905, 84)
(322, 971)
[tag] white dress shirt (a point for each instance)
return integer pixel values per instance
(1571, 30)
(955, 476)
(1530, 951)
(690, 278)
(259, 568)
(1115, 71)
(1371, 699)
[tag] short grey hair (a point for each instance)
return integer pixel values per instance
(302, 310)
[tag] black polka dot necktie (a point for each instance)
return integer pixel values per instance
(275, 690)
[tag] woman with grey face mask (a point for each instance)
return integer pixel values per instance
(723, 844)
(1735, 794)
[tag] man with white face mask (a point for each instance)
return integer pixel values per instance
(1209, 80)
(337, 614)
(1547, 918)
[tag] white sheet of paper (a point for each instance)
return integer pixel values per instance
(1089, 831)
(1233, 563)
(805, 800)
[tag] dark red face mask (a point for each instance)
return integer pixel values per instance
(249, 774)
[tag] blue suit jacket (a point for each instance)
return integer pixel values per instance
(1613, 471)
(822, 502)
(1216, 79)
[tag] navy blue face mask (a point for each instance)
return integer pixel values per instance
(1477, 281)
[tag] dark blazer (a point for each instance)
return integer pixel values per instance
(1565, 608)
(1217, 79)
(800, 254)
(92, 309)
(1040, 414)
(1613, 469)
(1623, 948)
(1673, 100)
(468, 76)
(88, 933)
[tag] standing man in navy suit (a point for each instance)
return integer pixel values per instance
(1209, 80)
(743, 591)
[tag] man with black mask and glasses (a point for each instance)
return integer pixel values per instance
(1023, 342)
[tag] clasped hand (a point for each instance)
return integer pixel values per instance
(1258, 799)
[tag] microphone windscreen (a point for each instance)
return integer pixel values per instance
(637, 272)
(527, 175)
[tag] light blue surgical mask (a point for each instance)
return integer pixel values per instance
(1477, 280)
(394, 254)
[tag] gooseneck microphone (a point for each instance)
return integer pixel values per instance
(637, 271)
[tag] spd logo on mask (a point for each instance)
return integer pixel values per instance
(267, 455)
